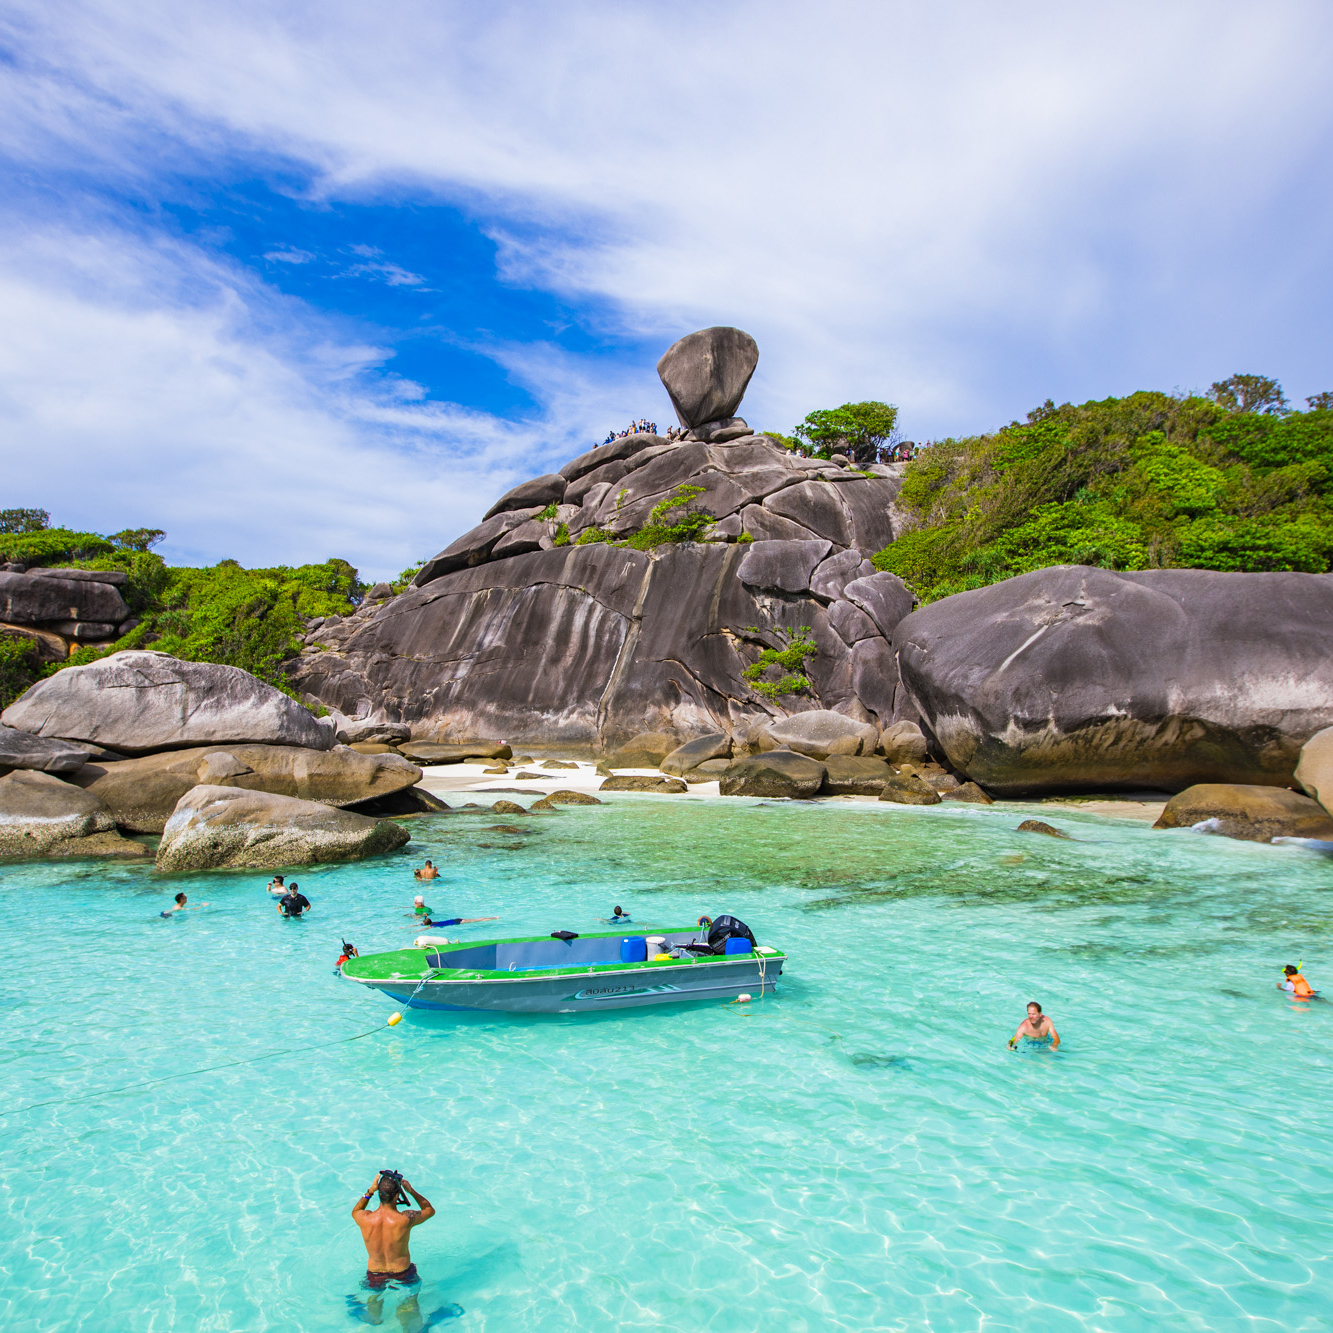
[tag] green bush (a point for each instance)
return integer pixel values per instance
(1151, 480)
(19, 667)
(789, 661)
(52, 546)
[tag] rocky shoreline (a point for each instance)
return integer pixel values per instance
(692, 614)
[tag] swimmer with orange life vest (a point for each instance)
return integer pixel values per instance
(1296, 985)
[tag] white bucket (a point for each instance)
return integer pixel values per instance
(656, 944)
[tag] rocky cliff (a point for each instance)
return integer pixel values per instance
(557, 620)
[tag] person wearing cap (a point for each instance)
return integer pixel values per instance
(419, 907)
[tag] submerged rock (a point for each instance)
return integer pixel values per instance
(139, 701)
(508, 808)
(1254, 813)
(776, 773)
(1039, 826)
(38, 811)
(1077, 677)
(213, 827)
(565, 797)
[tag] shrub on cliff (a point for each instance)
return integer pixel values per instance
(1231, 481)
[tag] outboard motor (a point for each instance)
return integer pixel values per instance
(730, 928)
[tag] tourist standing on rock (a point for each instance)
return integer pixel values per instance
(1036, 1027)
(294, 903)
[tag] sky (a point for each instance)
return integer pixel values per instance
(297, 280)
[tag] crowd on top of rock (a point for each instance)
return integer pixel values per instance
(640, 427)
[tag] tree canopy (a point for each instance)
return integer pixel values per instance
(862, 431)
(1232, 481)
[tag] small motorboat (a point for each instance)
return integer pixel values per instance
(568, 973)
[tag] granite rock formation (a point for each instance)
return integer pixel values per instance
(1074, 677)
(63, 609)
(38, 811)
(141, 793)
(226, 826)
(1255, 813)
(537, 627)
(20, 750)
(144, 701)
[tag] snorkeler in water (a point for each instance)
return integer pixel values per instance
(1296, 985)
(1036, 1027)
(618, 917)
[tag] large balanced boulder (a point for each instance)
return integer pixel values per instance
(141, 793)
(1256, 813)
(38, 811)
(140, 701)
(822, 732)
(18, 749)
(778, 773)
(1074, 677)
(227, 826)
(440, 752)
(706, 373)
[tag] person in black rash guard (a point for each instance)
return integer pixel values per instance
(293, 903)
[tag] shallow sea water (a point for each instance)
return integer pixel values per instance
(858, 1152)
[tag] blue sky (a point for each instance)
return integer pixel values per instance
(294, 280)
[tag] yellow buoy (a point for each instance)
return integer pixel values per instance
(395, 1019)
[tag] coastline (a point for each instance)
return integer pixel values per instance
(444, 780)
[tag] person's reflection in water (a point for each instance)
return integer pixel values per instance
(408, 1313)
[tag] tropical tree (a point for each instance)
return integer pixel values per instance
(1249, 393)
(862, 431)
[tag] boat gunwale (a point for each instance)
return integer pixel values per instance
(467, 975)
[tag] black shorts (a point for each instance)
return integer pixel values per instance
(408, 1277)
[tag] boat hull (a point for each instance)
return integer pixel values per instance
(713, 979)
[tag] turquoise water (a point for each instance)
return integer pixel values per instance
(858, 1152)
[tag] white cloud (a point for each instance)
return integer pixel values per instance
(385, 272)
(148, 385)
(289, 256)
(959, 205)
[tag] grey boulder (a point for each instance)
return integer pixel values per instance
(782, 566)
(685, 757)
(382, 733)
(1314, 769)
(823, 732)
(455, 752)
(142, 701)
(18, 749)
(141, 793)
(539, 492)
(903, 743)
(117, 578)
(227, 826)
(38, 811)
(662, 786)
(909, 789)
(855, 775)
(781, 773)
(706, 373)
(1074, 677)
(32, 599)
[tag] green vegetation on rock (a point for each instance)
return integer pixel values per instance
(789, 660)
(250, 618)
(1231, 481)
